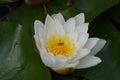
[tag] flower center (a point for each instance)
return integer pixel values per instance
(58, 44)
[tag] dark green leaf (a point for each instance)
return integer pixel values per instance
(93, 8)
(114, 13)
(63, 77)
(26, 15)
(18, 58)
(6, 1)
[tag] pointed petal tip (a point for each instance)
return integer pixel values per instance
(103, 41)
(59, 13)
(80, 19)
(48, 16)
(99, 60)
(98, 47)
(37, 22)
(37, 25)
(82, 14)
(53, 15)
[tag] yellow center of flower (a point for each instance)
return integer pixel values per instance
(58, 44)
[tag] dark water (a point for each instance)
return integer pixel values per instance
(8, 7)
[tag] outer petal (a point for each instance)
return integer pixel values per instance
(53, 15)
(69, 25)
(82, 39)
(42, 37)
(47, 58)
(60, 17)
(37, 26)
(88, 61)
(100, 44)
(70, 65)
(38, 42)
(79, 19)
(82, 28)
(74, 58)
(91, 43)
(65, 69)
(80, 54)
(52, 61)
(65, 60)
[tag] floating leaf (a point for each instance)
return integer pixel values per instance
(93, 8)
(18, 58)
(7, 1)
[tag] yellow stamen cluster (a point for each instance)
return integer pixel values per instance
(58, 44)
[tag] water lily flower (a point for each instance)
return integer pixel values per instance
(65, 45)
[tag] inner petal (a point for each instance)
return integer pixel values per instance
(58, 44)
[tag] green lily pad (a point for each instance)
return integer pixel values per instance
(7, 1)
(18, 58)
(93, 8)
(114, 13)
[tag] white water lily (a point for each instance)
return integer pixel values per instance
(66, 45)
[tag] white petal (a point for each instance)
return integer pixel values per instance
(100, 44)
(53, 26)
(49, 24)
(73, 36)
(37, 26)
(70, 65)
(80, 54)
(60, 17)
(82, 39)
(43, 35)
(60, 29)
(82, 28)
(65, 61)
(69, 25)
(75, 57)
(37, 42)
(47, 58)
(79, 19)
(61, 57)
(39, 34)
(52, 61)
(53, 15)
(91, 43)
(88, 61)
